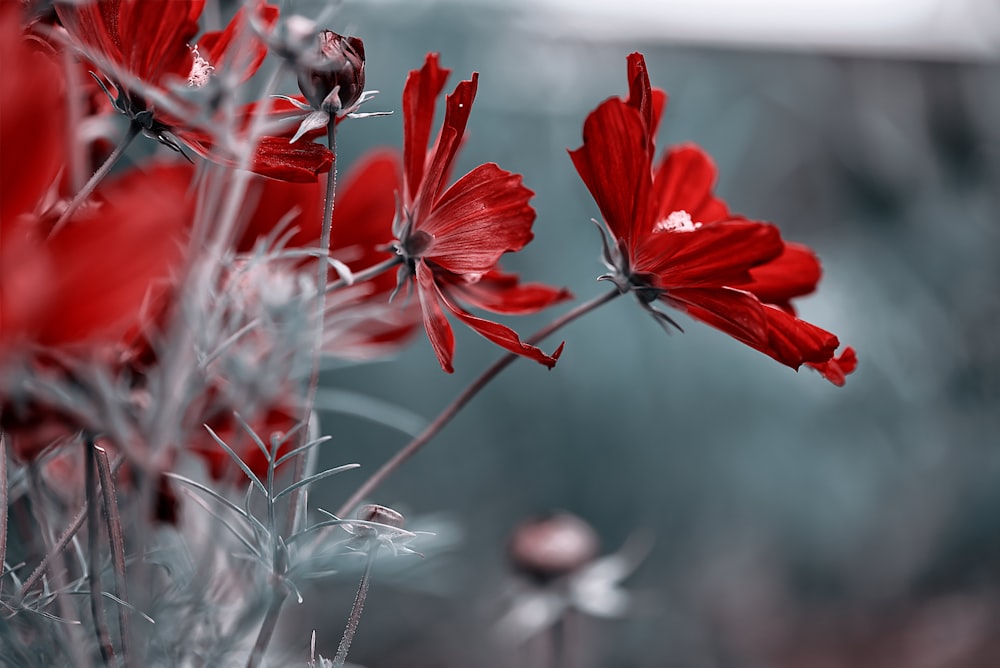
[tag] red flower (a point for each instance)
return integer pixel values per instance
(153, 42)
(673, 241)
(451, 241)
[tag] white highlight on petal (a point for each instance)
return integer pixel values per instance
(678, 221)
(201, 69)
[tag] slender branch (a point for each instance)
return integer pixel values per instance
(370, 272)
(462, 399)
(94, 556)
(267, 627)
(114, 522)
(3, 503)
(321, 286)
(133, 131)
(356, 609)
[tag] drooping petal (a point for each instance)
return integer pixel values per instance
(438, 329)
(419, 100)
(458, 106)
(794, 342)
(501, 292)
(301, 162)
(837, 369)
(482, 216)
(616, 167)
(720, 254)
(734, 312)
(794, 273)
(684, 182)
(505, 337)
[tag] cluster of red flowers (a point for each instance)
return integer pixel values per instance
(97, 284)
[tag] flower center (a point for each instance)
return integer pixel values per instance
(678, 221)
(201, 69)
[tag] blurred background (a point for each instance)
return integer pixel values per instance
(793, 524)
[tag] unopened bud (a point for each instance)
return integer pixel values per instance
(552, 546)
(382, 515)
(332, 78)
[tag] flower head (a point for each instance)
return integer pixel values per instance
(671, 240)
(451, 239)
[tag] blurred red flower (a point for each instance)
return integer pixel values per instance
(673, 241)
(451, 241)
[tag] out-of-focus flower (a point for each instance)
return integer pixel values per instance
(451, 240)
(674, 242)
(146, 46)
(559, 554)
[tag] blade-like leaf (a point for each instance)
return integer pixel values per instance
(313, 478)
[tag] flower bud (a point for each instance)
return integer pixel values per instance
(552, 546)
(338, 64)
(382, 515)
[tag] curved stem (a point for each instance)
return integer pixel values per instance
(133, 131)
(459, 402)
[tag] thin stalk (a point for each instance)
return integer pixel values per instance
(94, 556)
(359, 606)
(462, 399)
(267, 627)
(60, 545)
(321, 285)
(3, 502)
(133, 131)
(370, 272)
(117, 539)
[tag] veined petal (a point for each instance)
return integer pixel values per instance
(458, 106)
(720, 254)
(794, 342)
(438, 329)
(505, 337)
(301, 162)
(419, 100)
(155, 34)
(482, 216)
(616, 167)
(792, 274)
(95, 24)
(500, 292)
(734, 312)
(684, 182)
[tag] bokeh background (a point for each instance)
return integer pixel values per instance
(795, 524)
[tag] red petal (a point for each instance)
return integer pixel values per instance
(295, 206)
(734, 312)
(438, 329)
(214, 46)
(419, 100)
(716, 255)
(648, 101)
(499, 292)
(615, 165)
(684, 182)
(794, 342)
(792, 274)
(837, 369)
(482, 216)
(503, 336)
(95, 24)
(300, 162)
(155, 35)
(32, 124)
(458, 106)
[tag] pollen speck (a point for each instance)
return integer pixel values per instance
(678, 221)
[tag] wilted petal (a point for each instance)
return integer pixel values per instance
(438, 329)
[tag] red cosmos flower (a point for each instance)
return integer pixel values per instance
(451, 241)
(152, 41)
(673, 241)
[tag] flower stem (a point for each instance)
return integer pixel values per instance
(133, 131)
(370, 272)
(321, 288)
(462, 399)
(117, 539)
(359, 605)
(267, 627)
(3, 503)
(94, 555)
